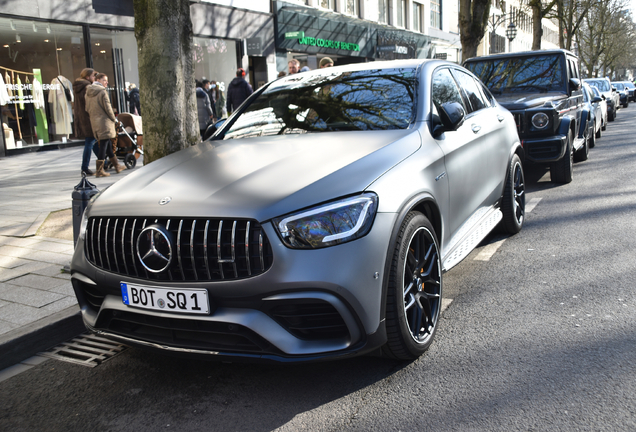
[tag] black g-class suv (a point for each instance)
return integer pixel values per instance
(542, 89)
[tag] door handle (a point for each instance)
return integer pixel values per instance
(475, 128)
(500, 118)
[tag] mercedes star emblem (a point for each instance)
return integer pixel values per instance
(165, 200)
(154, 248)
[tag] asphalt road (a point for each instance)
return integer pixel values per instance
(541, 335)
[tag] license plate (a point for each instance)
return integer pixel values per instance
(193, 301)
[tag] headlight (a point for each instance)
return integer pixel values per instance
(540, 120)
(328, 224)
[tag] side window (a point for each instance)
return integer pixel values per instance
(444, 89)
(471, 89)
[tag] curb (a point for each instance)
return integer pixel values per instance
(41, 335)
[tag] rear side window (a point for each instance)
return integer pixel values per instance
(471, 90)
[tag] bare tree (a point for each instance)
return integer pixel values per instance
(540, 9)
(473, 20)
(571, 14)
(166, 76)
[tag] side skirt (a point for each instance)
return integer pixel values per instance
(469, 238)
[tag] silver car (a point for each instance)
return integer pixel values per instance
(316, 223)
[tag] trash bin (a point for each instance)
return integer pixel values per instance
(82, 193)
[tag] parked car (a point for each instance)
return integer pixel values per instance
(609, 93)
(542, 90)
(587, 129)
(316, 223)
(623, 93)
(631, 88)
(599, 107)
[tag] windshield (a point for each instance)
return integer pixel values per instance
(602, 85)
(540, 73)
(629, 85)
(331, 101)
(619, 86)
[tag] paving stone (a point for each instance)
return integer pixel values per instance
(52, 270)
(18, 241)
(10, 262)
(27, 296)
(60, 305)
(22, 315)
(51, 257)
(7, 275)
(66, 289)
(6, 326)
(48, 246)
(37, 282)
(14, 251)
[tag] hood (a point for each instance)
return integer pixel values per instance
(80, 84)
(258, 178)
(523, 101)
(94, 89)
(236, 82)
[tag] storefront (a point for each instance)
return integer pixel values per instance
(308, 34)
(42, 57)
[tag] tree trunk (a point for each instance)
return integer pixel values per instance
(537, 30)
(166, 76)
(473, 19)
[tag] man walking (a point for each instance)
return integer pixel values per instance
(238, 91)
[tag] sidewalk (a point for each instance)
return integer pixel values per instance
(38, 308)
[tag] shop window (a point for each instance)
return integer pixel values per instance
(39, 60)
(436, 14)
(326, 4)
(383, 11)
(401, 13)
(351, 7)
(417, 17)
(216, 61)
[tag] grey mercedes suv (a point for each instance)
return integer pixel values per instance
(316, 223)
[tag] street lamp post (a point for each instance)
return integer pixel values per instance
(511, 30)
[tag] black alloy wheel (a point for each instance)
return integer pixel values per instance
(414, 293)
(513, 205)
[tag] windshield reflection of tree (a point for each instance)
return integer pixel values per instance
(539, 73)
(368, 100)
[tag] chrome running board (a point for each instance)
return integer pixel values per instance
(469, 236)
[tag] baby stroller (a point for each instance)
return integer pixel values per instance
(129, 142)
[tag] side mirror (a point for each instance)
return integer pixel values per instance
(596, 99)
(452, 115)
(613, 88)
(575, 84)
(213, 128)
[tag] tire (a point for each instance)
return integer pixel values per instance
(592, 139)
(604, 125)
(513, 205)
(598, 132)
(561, 171)
(130, 161)
(414, 291)
(583, 153)
(611, 116)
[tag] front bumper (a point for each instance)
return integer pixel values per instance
(545, 150)
(310, 305)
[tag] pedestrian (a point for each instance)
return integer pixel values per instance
(204, 108)
(293, 66)
(103, 121)
(325, 62)
(134, 100)
(238, 91)
(82, 121)
(207, 86)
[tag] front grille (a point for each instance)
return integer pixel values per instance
(203, 249)
(519, 123)
(184, 333)
(315, 320)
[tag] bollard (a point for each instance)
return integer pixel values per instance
(82, 193)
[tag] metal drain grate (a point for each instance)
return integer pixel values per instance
(87, 350)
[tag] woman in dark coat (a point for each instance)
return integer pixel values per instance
(82, 121)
